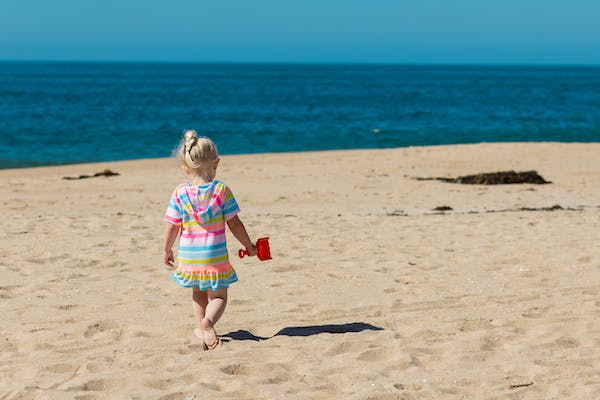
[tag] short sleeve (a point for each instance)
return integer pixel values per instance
(173, 213)
(230, 206)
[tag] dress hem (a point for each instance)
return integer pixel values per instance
(206, 285)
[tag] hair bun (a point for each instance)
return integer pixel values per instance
(190, 134)
(190, 137)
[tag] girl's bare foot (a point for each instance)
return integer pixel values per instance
(199, 335)
(209, 334)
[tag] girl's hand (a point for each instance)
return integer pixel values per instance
(169, 259)
(171, 232)
(252, 251)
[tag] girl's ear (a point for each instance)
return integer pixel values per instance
(185, 169)
(215, 164)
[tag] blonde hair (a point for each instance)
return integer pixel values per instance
(197, 152)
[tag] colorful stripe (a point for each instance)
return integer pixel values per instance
(214, 246)
(205, 282)
(174, 221)
(202, 235)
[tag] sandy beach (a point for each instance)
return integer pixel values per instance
(371, 293)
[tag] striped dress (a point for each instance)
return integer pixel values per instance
(202, 211)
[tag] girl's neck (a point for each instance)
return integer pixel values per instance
(200, 180)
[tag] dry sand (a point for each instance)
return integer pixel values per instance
(370, 293)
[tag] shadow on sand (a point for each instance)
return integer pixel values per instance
(304, 331)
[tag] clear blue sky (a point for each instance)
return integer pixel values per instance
(371, 31)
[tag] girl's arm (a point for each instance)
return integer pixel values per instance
(239, 231)
(171, 233)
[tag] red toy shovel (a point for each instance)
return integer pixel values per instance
(264, 251)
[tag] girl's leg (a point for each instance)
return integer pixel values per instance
(217, 301)
(199, 303)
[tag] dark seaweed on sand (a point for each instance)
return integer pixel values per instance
(106, 172)
(495, 178)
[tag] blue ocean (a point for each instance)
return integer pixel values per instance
(60, 113)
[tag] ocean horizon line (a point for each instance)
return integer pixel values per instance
(310, 63)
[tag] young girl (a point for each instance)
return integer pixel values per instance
(199, 209)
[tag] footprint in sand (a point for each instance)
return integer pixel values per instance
(374, 355)
(7, 292)
(490, 343)
(474, 325)
(44, 346)
(192, 348)
(345, 347)
(51, 259)
(94, 385)
(140, 334)
(87, 263)
(177, 396)
(62, 368)
(292, 268)
(160, 384)
(98, 366)
(7, 345)
(75, 276)
(100, 327)
(236, 369)
(277, 373)
(566, 342)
